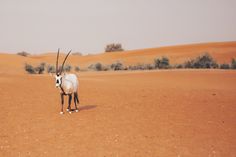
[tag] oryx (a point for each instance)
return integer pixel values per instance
(68, 85)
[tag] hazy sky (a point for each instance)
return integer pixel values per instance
(88, 25)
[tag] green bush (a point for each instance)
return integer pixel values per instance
(189, 64)
(105, 68)
(23, 53)
(224, 66)
(77, 68)
(67, 68)
(179, 66)
(51, 69)
(204, 61)
(35, 70)
(97, 67)
(233, 64)
(113, 48)
(161, 63)
(141, 67)
(40, 68)
(30, 69)
(149, 66)
(117, 66)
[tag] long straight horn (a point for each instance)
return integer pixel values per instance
(65, 61)
(57, 61)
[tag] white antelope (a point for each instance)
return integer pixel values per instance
(68, 84)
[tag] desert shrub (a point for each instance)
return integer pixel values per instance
(141, 67)
(51, 69)
(161, 63)
(125, 68)
(40, 68)
(117, 66)
(23, 53)
(35, 70)
(77, 68)
(189, 64)
(30, 69)
(233, 64)
(179, 66)
(204, 61)
(67, 68)
(105, 67)
(224, 66)
(149, 66)
(132, 67)
(113, 48)
(97, 67)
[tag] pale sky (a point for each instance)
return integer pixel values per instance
(87, 26)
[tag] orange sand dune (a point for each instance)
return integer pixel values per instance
(222, 52)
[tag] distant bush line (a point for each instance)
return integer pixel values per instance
(204, 61)
(23, 53)
(42, 67)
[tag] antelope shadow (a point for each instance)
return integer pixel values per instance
(85, 107)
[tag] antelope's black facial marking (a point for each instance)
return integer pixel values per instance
(58, 80)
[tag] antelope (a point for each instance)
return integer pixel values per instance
(68, 85)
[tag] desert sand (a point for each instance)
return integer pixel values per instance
(126, 113)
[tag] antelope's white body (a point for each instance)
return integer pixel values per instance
(70, 83)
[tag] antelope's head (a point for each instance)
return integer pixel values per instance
(58, 76)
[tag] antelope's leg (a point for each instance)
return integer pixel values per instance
(69, 103)
(62, 102)
(77, 97)
(75, 101)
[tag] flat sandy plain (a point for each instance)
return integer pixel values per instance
(128, 113)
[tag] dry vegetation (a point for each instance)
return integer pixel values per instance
(204, 61)
(23, 53)
(114, 48)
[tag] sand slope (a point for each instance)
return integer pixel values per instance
(223, 52)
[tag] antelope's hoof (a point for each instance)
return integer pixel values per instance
(77, 110)
(70, 112)
(61, 112)
(67, 110)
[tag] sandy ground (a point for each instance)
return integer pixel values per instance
(156, 113)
